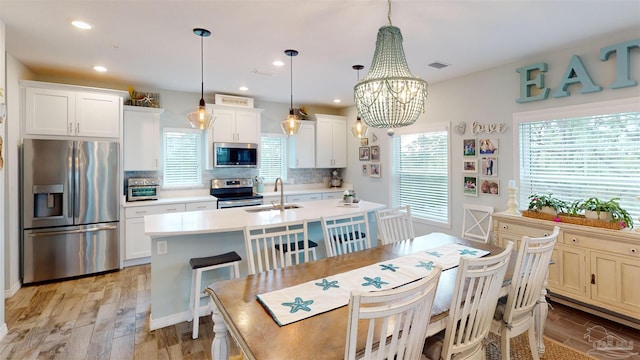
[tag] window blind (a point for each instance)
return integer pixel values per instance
(578, 158)
(182, 158)
(421, 174)
(273, 157)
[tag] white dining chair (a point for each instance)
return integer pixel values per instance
(517, 315)
(476, 222)
(265, 245)
(395, 224)
(395, 320)
(475, 296)
(344, 234)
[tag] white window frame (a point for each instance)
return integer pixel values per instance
(619, 106)
(417, 129)
(200, 158)
(285, 157)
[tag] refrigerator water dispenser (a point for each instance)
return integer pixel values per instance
(47, 201)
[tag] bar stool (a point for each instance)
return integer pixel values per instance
(200, 265)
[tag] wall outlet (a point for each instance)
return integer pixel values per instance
(162, 247)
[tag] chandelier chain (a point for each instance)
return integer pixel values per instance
(389, 13)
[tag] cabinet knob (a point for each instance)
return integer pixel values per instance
(575, 240)
(546, 234)
(505, 227)
(634, 250)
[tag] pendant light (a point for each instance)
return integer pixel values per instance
(390, 96)
(291, 126)
(359, 129)
(201, 118)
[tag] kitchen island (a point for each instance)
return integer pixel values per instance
(186, 235)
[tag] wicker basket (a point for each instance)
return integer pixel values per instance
(577, 220)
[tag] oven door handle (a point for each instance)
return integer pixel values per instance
(238, 203)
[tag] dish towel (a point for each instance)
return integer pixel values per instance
(305, 300)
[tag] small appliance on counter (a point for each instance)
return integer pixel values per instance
(335, 180)
(139, 189)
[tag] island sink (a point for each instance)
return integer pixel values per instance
(255, 209)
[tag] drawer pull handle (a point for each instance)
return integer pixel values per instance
(574, 240)
(593, 279)
(546, 234)
(634, 250)
(505, 227)
(141, 212)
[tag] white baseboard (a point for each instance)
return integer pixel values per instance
(8, 293)
(175, 318)
(3, 330)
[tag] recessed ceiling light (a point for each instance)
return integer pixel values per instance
(100, 68)
(337, 101)
(243, 88)
(278, 63)
(82, 25)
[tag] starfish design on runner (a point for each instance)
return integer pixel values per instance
(434, 253)
(389, 267)
(468, 252)
(326, 284)
(426, 265)
(375, 282)
(298, 304)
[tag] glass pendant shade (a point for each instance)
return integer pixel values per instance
(390, 96)
(291, 126)
(359, 129)
(201, 118)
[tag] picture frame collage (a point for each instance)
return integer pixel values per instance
(480, 167)
(372, 155)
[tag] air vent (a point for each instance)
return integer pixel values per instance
(438, 65)
(262, 72)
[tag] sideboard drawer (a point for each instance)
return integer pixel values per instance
(611, 246)
(523, 230)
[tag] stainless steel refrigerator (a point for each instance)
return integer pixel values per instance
(70, 208)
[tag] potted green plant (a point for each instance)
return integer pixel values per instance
(547, 203)
(595, 208)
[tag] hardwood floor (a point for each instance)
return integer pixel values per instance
(107, 317)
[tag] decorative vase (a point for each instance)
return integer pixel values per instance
(549, 210)
(604, 215)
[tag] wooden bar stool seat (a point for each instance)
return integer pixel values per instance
(199, 266)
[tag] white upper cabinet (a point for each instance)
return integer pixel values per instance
(331, 141)
(141, 138)
(302, 147)
(236, 125)
(66, 110)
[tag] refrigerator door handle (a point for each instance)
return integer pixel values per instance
(79, 231)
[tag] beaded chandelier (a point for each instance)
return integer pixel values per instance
(390, 96)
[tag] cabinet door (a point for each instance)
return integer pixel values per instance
(571, 271)
(97, 115)
(137, 245)
(141, 140)
(302, 148)
(324, 151)
(49, 112)
(224, 126)
(339, 143)
(247, 127)
(614, 281)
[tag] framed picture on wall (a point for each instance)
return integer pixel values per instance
(374, 170)
(488, 146)
(470, 186)
(364, 153)
(375, 153)
(489, 166)
(469, 147)
(365, 169)
(364, 141)
(490, 186)
(470, 165)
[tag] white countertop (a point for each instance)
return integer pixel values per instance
(234, 219)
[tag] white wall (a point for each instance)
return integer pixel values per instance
(3, 180)
(490, 97)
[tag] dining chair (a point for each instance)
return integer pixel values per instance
(476, 222)
(344, 234)
(261, 240)
(475, 296)
(395, 320)
(516, 315)
(394, 224)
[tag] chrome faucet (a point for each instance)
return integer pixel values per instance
(281, 193)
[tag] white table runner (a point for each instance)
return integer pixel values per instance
(315, 297)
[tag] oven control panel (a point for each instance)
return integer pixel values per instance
(231, 183)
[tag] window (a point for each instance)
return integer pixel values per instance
(421, 174)
(273, 157)
(182, 157)
(583, 151)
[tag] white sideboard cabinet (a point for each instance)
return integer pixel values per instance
(141, 138)
(331, 141)
(594, 269)
(68, 110)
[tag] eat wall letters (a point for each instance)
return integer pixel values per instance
(533, 76)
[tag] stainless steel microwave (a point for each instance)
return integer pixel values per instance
(235, 155)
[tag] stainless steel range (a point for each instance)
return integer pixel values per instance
(234, 193)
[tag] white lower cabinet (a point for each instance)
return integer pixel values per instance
(332, 195)
(137, 245)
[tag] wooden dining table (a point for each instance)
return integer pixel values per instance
(236, 310)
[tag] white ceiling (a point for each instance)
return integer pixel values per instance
(151, 43)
